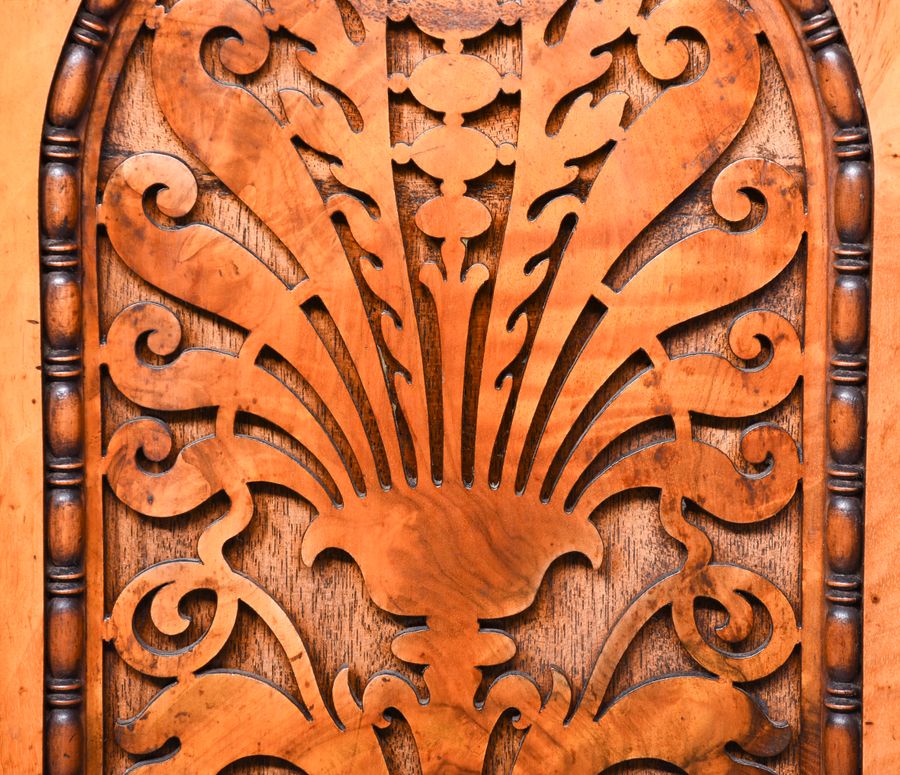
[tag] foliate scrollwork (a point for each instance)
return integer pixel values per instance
(435, 536)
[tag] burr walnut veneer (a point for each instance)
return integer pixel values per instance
(455, 387)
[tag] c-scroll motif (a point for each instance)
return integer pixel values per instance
(450, 550)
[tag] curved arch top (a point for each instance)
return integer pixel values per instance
(533, 328)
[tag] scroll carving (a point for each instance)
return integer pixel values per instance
(455, 427)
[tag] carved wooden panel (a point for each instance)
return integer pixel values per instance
(454, 387)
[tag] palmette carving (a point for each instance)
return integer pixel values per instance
(435, 536)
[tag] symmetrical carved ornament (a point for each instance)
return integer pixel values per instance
(453, 456)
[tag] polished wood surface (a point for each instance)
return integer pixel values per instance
(31, 45)
(872, 29)
(450, 399)
(846, 334)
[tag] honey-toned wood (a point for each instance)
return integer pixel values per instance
(871, 30)
(445, 686)
(63, 392)
(31, 44)
(844, 444)
(467, 546)
(852, 255)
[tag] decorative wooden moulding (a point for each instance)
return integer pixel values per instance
(852, 230)
(455, 388)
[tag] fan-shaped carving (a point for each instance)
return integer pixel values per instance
(455, 497)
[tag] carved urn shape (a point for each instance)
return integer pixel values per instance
(478, 320)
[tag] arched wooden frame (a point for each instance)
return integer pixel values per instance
(65, 234)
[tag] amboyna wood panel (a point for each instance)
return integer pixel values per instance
(455, 386)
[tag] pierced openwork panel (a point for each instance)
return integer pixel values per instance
(455, 386)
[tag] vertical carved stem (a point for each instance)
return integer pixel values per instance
(63, 401)
(852, 208)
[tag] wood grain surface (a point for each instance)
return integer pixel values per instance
(567, 583)
(872, 27)
(30, 45)
(648, 311)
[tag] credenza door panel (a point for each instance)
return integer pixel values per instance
(455, 387)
